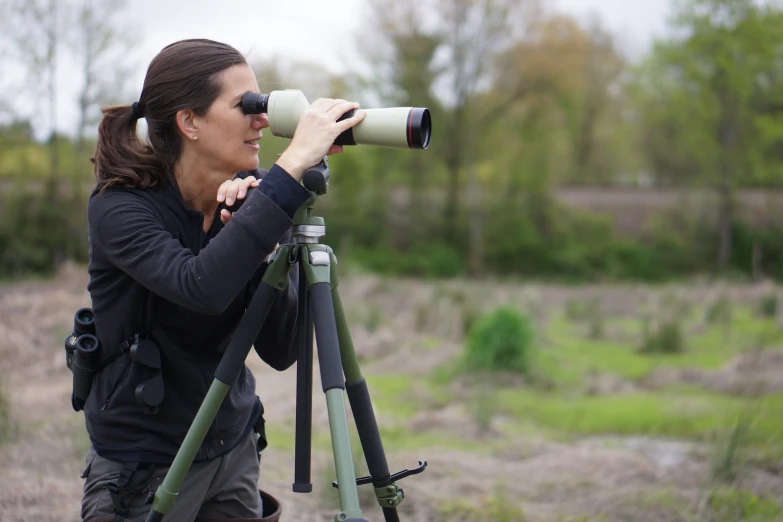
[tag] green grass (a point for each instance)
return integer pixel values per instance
(730, 504)
(498, 507)
(569, 354)
(393, 395)
(676, 412)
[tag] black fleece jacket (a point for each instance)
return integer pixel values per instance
(153, 268)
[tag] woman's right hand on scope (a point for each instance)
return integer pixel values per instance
(315, 134)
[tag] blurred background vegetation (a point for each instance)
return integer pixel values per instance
(554, 156)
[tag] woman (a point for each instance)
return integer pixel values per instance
(167, 268)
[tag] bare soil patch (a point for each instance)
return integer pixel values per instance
(754, 374)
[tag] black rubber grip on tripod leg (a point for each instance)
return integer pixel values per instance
(326, 337)
(369, 434)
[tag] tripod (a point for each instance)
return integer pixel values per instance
(320, 312)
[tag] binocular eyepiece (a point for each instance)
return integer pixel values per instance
(82, 350)
(396, 127)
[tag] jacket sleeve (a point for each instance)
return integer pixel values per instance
(275, 343)
(126, 232)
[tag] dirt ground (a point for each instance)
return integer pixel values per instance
(39, 469)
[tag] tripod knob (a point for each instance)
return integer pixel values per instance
(316, 178)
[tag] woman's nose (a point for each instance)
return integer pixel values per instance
(260, 121)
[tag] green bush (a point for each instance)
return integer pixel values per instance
(501, 340)
(768, 307)
(40, 229)
(665, 337)
(767, 241)
(720, 311)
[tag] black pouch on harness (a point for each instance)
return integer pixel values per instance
(145, 353)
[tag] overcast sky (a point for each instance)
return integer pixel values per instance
(323, 30)
(316, 30)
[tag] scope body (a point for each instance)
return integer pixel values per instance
(396, 127)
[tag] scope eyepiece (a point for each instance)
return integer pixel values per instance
(255, 103)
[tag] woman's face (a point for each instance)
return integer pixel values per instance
(227, 137)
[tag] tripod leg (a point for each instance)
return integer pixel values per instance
(389, 494)
(333, 386)
(304, 391)
(230, 365)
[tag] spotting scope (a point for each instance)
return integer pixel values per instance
(396, 127)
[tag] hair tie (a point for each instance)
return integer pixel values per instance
(136, 111)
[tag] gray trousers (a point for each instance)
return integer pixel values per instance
(225, 487)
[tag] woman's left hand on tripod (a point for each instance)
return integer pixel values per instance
(233, 190)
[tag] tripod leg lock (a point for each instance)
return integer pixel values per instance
(390, 496)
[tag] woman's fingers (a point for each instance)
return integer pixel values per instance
(335, 149)
(350, 122)
(339, 108)
(221, 193)
(235, 189)
(225, 216)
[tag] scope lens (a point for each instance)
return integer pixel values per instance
(254, 103)
(419, 128)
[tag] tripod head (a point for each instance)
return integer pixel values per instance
(307, 228)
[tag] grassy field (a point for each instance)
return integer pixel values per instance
(703, 374)
(634, 404)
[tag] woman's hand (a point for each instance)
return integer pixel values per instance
(232, 190)
(315, 134)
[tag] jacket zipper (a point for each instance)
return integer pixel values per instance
(119, 382)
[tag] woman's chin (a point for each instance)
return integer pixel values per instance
(249, 164)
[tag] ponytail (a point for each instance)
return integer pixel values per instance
(121, 158)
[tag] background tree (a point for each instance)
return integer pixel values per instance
(101, 44)
(701, 97)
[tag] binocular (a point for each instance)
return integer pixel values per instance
(396, 127)
(82, 351)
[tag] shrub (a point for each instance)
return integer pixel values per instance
(720, 311)
(663, 338)
(768, 307)
(501, 340)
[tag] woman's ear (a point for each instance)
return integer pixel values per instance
(186, 123)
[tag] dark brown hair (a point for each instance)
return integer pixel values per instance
(184, 75)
